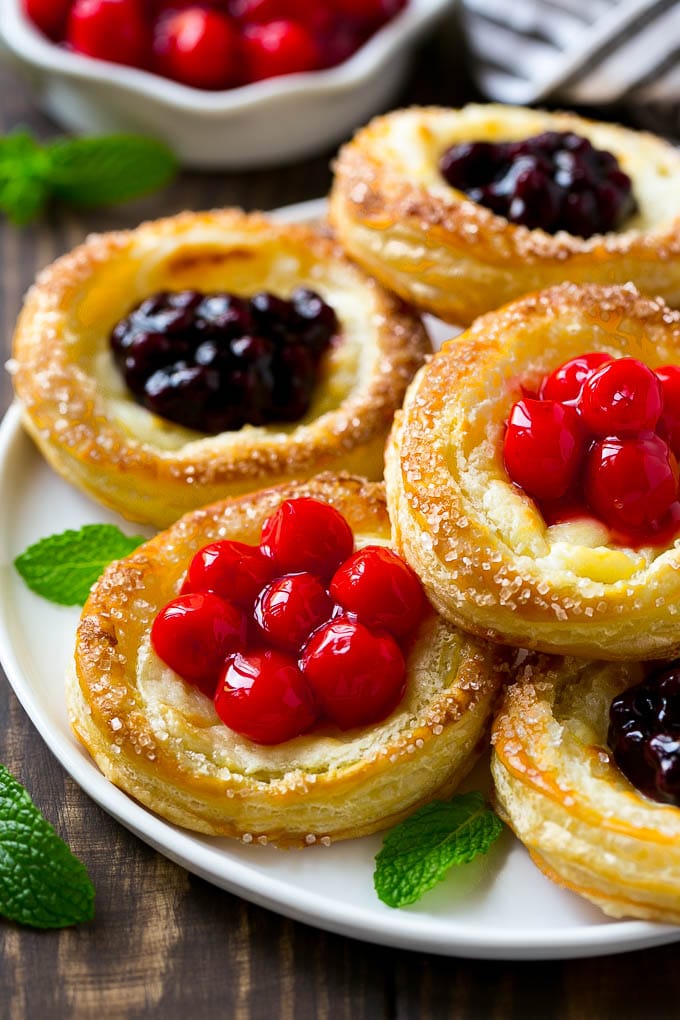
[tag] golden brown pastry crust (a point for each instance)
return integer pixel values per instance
(76, 406)
(584, 824)
(426, 241)
(161, 740)
(487, 559)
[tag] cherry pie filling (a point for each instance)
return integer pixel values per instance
(217, 362)
(601, 439)
(554, 181)
(297, 630)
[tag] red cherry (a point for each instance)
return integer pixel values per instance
(380, 589)
(193, 635)
(543, 447)
(631, 482)
(114, 30)
(623, 397)
(233, 570)
(358, 677)
(48, 15)
(197, 47)
(669, 423)
(306, 534)
(290, 608)
(566, 382)
(279, 47)
(263, 696)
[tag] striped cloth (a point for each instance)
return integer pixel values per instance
(580, 53)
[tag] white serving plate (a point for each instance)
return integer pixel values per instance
(498, 907)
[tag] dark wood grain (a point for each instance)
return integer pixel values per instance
(167, 944)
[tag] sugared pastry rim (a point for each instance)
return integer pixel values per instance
(584, 824)
(76, 406)
(487, 559)
(161, 740)
(396, 215)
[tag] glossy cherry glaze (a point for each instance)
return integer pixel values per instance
(311, 630)
(216, 362)
(600, 440)
(380, 589)
(644, 734)
(194, 633)
(233, 570)
(290, 608)
(263, 696)
(358, 676)
(305, 534)
(552, 181)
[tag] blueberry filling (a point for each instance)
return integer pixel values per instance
(555, 181)
(216, 362)
(644, 734)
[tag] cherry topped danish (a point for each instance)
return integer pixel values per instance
(269, 669)
(532, 476)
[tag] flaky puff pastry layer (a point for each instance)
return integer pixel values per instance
(584, 824)
(76, 406)
(397, 216)
(488, 561)
(161, 740)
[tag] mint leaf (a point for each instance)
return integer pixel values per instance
(418, 853)
(41, 883)
(63, 568)
(82, 171)
(115, 168)
(23, 177)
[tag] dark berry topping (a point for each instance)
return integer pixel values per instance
(644, 734)
(216, 362)
(555, 181)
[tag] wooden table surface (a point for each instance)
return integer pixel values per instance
(165, 943)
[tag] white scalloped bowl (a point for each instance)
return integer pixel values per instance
(262, 124)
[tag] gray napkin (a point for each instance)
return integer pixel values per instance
(580, 53)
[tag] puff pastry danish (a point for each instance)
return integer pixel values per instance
(556, 785)
(396, 215)
(488, 559)
(84, 420)
(161, 740)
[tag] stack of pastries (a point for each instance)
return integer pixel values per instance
(235, 380)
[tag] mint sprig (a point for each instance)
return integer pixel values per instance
(63, 568)
(81, 171)
(418, 853)
(41, 883)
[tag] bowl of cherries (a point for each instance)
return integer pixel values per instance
(225, 83)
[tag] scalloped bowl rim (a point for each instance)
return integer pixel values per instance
(26, 42)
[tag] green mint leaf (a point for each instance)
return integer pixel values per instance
(114, 168)
(24, 169)
(418, 853)
(41, 883)
(63, 568)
